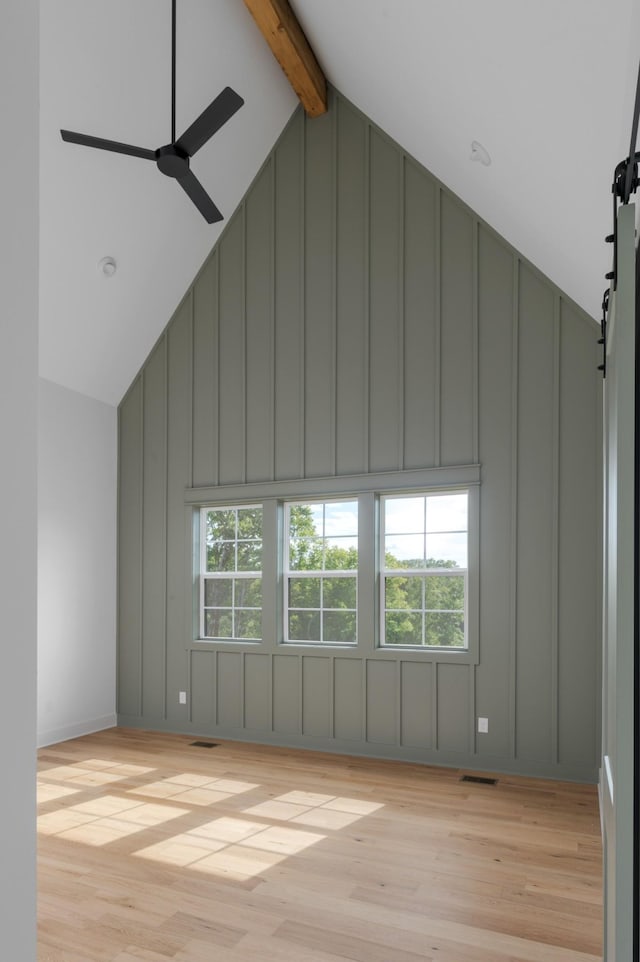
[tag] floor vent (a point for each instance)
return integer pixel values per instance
(204, 744)
(479, 780)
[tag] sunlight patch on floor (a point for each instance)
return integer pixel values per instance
(194, 789)
(49, 793)
(231, 846)
(106, 819)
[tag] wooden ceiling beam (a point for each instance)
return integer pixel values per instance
(282, 31)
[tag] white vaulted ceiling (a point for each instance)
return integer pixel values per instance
(546, 87)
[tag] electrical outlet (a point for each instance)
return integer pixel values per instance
(483, 725)
(182, 697)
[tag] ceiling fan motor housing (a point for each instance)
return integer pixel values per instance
(172, 161)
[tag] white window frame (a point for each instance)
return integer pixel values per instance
(223, 575)
(322, 574)
(422, 573)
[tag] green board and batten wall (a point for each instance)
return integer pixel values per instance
(356, 317)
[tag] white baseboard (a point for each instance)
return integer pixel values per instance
(55, 735)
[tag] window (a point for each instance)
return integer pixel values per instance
(231, 573)
(424, 566)
(320, 572)
(381, 564)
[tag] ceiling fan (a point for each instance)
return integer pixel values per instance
(173, 159)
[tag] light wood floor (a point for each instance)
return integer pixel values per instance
(154, 850)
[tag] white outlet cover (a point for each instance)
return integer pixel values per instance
(182, 697)
(483, 726)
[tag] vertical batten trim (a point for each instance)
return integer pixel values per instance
(272, 676)
(434, 706)
(190, 655)
(118, 551)
(216, 713)
(243, 685)
(365, 700)
(332, 696)
(402, 195)
(165, 633)
(270, 690)
(334, 290)
(191, 378)
(192, 392)
(272, 326)
(300, 667)
(216, 338)
(141, 554)
(165, 511)
(513, 578)
(303, 298)
(366, 326)
(473, 739)
(476, 338)
(437, 400)
(398, 695)
(555, 534)
(243, 332)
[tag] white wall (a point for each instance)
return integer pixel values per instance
(76, 564)
(18, 444)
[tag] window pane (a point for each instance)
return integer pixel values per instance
(395, 593)
(305, 554)
(446, 551)
(250, 524)
(218, 593)
(305, 520)
(248, 592)
(248, 625)
(221, 556)
(249, 556)
(339, 626)
(404, 551)
(221, 525)
(339, 593)
(403, 628)
(445, 593)
(316, 515)
(445, 629)
(218, 624)
(304, 626)
(304, 592)
(341, 554)
(341, 518)
(403, 515)
(447, 512)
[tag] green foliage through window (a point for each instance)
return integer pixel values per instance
(322, 563)
(231, 581)
(425, 594)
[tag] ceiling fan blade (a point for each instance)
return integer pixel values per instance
(194, 189)
(211, 119)
(72, 138)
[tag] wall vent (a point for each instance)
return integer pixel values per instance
(204, 744)
(479, 780)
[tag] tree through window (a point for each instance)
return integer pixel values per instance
(424, 569)
(321, 562)
(231, 573)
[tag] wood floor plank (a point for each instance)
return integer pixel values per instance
(152, 850)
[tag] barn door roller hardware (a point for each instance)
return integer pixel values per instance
(625, 183)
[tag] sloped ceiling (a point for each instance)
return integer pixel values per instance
(546, 87)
